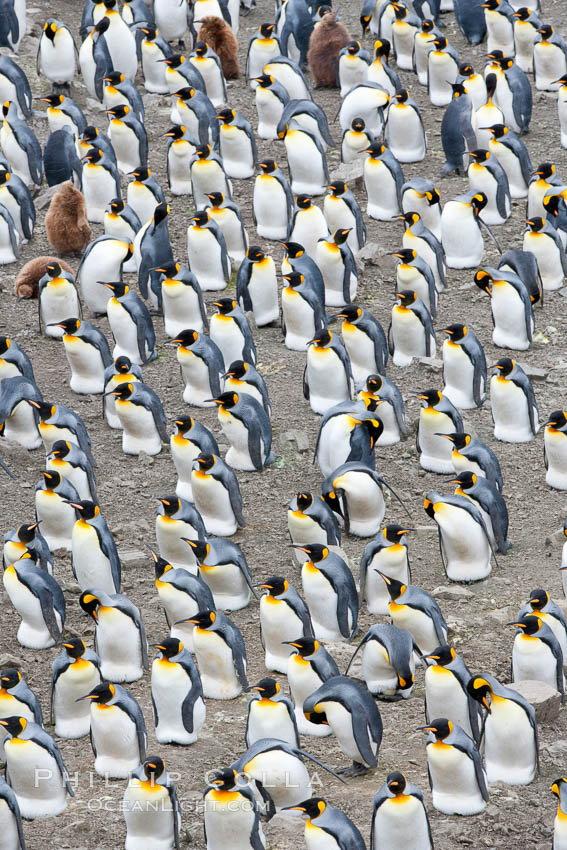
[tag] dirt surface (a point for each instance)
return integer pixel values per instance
(128, 489)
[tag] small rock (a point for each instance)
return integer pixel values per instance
(300, 438)
(545, 699)
(350, 172)
(44, 198)
(128, 556)
(557, 750)
(534, 371)
(371, 253)
(455, 593)
(7, 659)
(502, 615)
(431, 363)
(145, 460)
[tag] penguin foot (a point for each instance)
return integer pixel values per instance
(357, 769)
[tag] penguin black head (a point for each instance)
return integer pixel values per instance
(478, 202)
(117, 287)
(216, 199)
(51, 479)
(14, 725)
(89, 133)
(101, 26)
(169, 647)
(201, 218)
(430, 397)
(70, 326)
(255, 254)
(185, 338)
(140, 174)
(441, 728)
(26, 533)
(504, 366)
(53, 99)
(375, 150)
(294, 249)
(440, 42)
(110, 4)
(45, 410)
(169, 269)
(407, 297)
(374, 383)
(174, 61)
(490, 4)
(266, 30)
(267, 688)
(9, 678)
(237, 369)
(395, 587)
(225, 306)
(226, 400)
(305, 646)
(150, 31)
(269, 166)
(358, 125)
(557, 420)
(50, 28)
(276, 585)
(402, 96)
(303, 202)
(351, 313)
(522, 14)
(201, 48)
(483, 280)
(562, 80)
(175, 132)
(171, 505)
(224, 780)
(102, 694)
(427, 25)
(227, 116)
(464, 481)
(480, 690)
(353, 47)
(538, 599)
(396, 782)
(382, 47)
(455, 332)
(304, 501)
(312, 808)
(551, 204)
(394, 533)
(536, 224)
(406, 255)
(5, 344)
(323, 339)
(202, 619)
(53, 269)
(294, 279)
(161, 566)
(409, 218)
(442, 655)
(466, 70)
(186, 93)
(114, 78)
(123, 391)
(204, 462)
(479, 155)
(340, 236)
(184, 424)
(496, 55)
(458, 90)
(200, 548)
(123, 364)
(264, 81)
(316, 552)
(60, 448)
(153, 768)
(161, 212)
(557, 785)
(546, 31)
(529, 624)
(86, 508)
(75, 647)
(400, 11)
(4, 176)
(339, 187)
(89, 603)
(497, 130)
(93, 156)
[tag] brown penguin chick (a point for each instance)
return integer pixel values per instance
(27, 281)
(220, 38)
(326, 42)
(66, 223)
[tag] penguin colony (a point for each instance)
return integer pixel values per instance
(172, 272)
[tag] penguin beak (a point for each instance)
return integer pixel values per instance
(472, 153)
(87, 696)
(218, 401)
(179, 622)
(293, 809)
(518, 625)
(301, 548)
(446, 331)
(3, 723)
(157, 646)
(445, 436)
(336, 316)
(386, 579)
(192, 543)
(426, 729)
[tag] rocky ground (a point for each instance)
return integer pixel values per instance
(128, 488)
